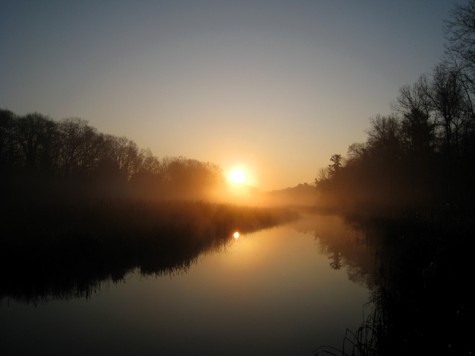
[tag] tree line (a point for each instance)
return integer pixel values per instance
(69, 159)
(422, 155)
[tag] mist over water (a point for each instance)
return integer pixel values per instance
(108, 248)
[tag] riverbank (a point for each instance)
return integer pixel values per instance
(61, 249)
(423, 297)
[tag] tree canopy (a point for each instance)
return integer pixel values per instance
(424, 154)
(69, 158)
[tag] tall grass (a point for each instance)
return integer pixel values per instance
(60, 250)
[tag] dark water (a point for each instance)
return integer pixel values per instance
(282, 291)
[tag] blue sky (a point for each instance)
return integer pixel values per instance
(275, 86)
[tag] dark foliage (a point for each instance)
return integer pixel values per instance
(420, 159)
(420, 273)
(70, 160)
(410, 190)
(64, 251)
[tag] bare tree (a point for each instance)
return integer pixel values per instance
(461, 41)
(414, 98)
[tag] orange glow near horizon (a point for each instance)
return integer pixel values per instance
(241, 187)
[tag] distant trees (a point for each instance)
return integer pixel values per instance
(424, 154)
(7, 154)
(70, 158)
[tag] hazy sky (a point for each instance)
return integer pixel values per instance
(277, 86)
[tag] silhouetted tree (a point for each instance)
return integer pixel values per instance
(335, 166)
(384, 138)
(35, 137)
(8, 153)
(417, 124)
(81, 147)
(461, 42)
(71, 159)
(418, 133)
(447, 98)
(414, 97)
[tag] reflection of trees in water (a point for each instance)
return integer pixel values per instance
(426, 283)
(421, 279)
(346, 247)
(44, 257)
(82, 279)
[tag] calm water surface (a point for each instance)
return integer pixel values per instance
(276, 292)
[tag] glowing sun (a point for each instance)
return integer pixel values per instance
(237, 176)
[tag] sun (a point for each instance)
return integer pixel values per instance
(237, 176)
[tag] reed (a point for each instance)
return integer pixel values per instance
(65, 250)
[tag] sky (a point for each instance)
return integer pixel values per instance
(276, 87)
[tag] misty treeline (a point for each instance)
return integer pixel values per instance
(69, 159)
(422, 155)
(79, 207)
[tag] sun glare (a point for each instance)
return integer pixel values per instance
(237, 176)
(236, 235)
